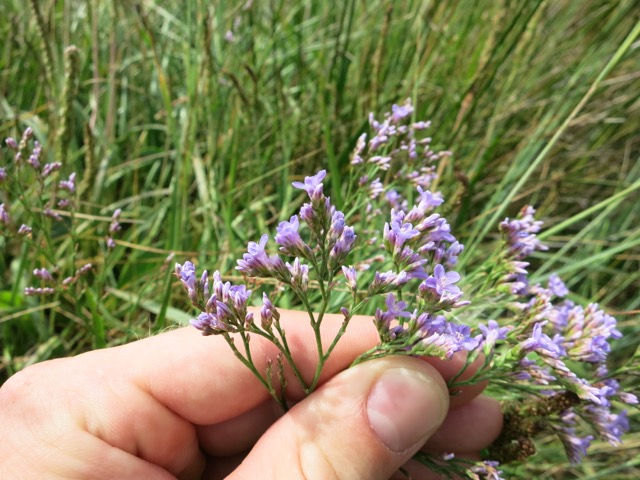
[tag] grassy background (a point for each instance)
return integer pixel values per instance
(197, 139)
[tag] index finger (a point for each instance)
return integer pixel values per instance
(201, 380)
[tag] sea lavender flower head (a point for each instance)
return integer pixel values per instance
(3, 174)
(557, 286)
(24, 230)
(69, 184)
(396, 234)
(43, 274)
(319, 212)
(540, 342)
(4, 215)
(256, 262)
(209, 324)
(312, 185)
(34, 158)
(299, 275)
(268, 313)
(49, 168)
(350, 276)
(187, 274)
(488, 469)
(289, 238)
(520, 234)
(31, 291)
(395, 310)
(384, 282)
(492, 332)
(399, 112)
(441, 283)
(342, 247)
(11, 143)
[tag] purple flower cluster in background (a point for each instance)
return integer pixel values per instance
(27, 180)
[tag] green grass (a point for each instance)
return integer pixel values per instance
(197, 139)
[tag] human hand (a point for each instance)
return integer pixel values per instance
(181, 405)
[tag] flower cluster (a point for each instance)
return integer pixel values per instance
(531, 343)
(31, 196)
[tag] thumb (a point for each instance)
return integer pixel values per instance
(365, 422)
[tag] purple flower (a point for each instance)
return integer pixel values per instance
(115, 226)
(452, 253)
(256, 262)
(239, 294)
(609, 426)
(411, 263)
(428, 200)
(383, 282)
(11, 143)
(84, 269)
(24, 230)
(375, 188)
(26, 136)
(492, 332)
(31, 291)
(350, 276)
(34, 158)
(396, 234)
(209, 324)
(399, 112)
(394, 310)
(442, 283)
(574, 446)
(289, 239)
(268, 313)
(383, 163)
(3, 174)
(462, 336)
(187, 275)
(299, 274)
(4, 215)
(312, 185)
(528, 369)
(337, 226)
(43, 274)
(557, 286)
(540, 342)
(488, 469)
(49, 168)
(356, 159)
(341, 248)
(520, 234)
(111, 243)
(70, 184)
(51, 214)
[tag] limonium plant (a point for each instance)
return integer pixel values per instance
(394, 252)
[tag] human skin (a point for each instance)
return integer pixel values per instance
(180, 405)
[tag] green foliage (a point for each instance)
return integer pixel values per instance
(197, 134)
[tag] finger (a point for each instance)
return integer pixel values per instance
(449, 369)
(238, 434)
(169, 382)
(363, 423)
(184, 370)
(468, 428)
(414, 470)
(44, 439)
